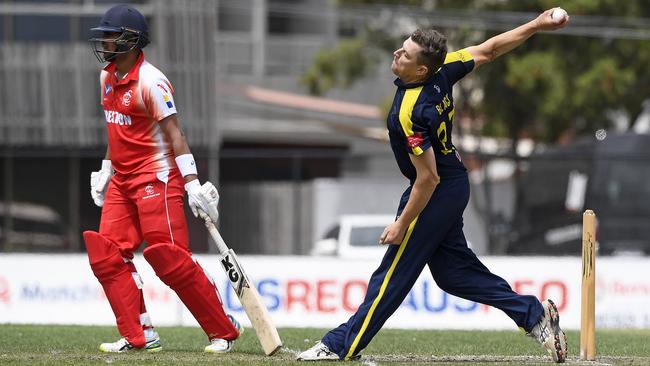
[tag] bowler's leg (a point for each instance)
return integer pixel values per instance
(458, 271)
(399, 269)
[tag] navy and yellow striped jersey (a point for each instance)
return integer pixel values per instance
(422, 116)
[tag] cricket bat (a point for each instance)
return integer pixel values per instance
(246, 292)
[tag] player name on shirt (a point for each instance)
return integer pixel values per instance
(117, 118)
(134, 105)
(442, 106)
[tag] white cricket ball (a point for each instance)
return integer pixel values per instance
(558, 15)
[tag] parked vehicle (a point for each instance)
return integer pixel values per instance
(354, 236)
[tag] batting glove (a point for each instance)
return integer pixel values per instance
(203, 197)
(99, 182)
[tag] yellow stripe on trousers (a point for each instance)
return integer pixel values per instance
(384, 284)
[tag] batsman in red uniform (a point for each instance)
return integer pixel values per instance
(141, 187)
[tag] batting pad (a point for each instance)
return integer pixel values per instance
(182, 274)
(117, 277)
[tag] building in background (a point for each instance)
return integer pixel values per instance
(288, 165)
(235, 65)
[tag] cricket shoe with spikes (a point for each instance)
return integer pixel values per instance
(547, 332)
(318, 352)
(122, 345)
(218, 345)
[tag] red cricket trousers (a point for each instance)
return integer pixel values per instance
(149, 207)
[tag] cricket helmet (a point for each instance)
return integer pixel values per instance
(131, 26)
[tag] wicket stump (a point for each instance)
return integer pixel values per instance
(588, 308)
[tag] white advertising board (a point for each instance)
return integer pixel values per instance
(324, 292)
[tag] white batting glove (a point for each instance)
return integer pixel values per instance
(203, 197)
(99, 181)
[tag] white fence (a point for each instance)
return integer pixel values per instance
(323, 292)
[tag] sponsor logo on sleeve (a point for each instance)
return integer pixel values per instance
(165, 92)
(415, 140)
(168, 101)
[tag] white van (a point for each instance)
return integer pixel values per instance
(354, 236)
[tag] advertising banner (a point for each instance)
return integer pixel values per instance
(324, 292)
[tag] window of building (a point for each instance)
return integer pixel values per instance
(235, 17)
(297, 16)
(41, 28)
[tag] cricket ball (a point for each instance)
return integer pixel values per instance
(558, 15)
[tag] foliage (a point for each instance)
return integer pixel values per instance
(552, 84)
(342, 65)
(576, 80)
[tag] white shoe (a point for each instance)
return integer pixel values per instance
(318, 352)
(122, 345)
(547, 332)
(218, 345)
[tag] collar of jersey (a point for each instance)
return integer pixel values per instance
(133, 74)
(401, 84)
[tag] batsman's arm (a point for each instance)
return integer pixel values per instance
(200, 196)
(505, 42)
(171, 127)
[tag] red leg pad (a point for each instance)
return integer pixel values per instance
(119, 284)
(176, 268)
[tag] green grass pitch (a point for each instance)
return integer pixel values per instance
(78, 345)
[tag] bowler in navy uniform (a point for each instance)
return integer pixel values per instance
(428, 230)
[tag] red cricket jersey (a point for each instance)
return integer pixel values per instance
(133, 107)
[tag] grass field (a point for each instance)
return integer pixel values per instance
(76, 345)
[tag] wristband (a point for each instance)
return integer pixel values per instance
(186, 164)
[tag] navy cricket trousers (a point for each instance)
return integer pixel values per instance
(435, 238)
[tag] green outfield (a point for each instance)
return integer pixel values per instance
(76, 345)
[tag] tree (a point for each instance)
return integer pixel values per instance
(554, 85)
(549, 86)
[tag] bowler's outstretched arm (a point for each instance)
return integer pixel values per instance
(505, 42)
